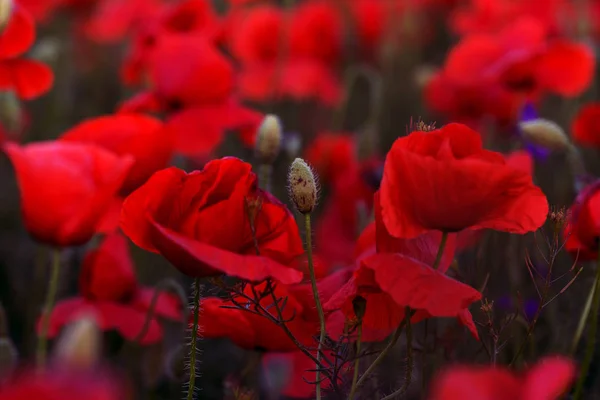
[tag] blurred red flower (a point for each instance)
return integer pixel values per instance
(109, 291)
(27, 78)
(203, 222)
(66, 188)
(523, 59)
(193, 82)
(586, 125)
(582, 231)
(138, 135)
(332, 155)
(549, 379)
(61, 385)
(445, 180)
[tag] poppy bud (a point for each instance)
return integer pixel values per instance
(6, 8)
(79, 345)
(302, 186)
(544, 133)
(268, 140)
(360, 306)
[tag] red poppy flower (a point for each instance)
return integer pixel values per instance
(109, 291)
(61, 385)
(371, 20)
(316, 32)
(66, 188)
(193, 82)
(586, 126)
(445, 180)
(549, 379)
(256, 36)
(40, 10)
(138, 135)
(332, 154)
(523, 60)
(27, 78)
(582, 232)
(522, 160)
(113, 19)
(171, 212)
(297, 79)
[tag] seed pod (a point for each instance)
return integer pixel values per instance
(544, 133)
(302, 186)
(268, 140)
(79, 345)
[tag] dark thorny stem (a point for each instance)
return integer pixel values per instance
(194, 336)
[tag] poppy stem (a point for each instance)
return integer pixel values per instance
(194, 335)
(583, 319)
(440, 253)
(357, 360)
(591, 344)
(42, 343)
(313, 281)
(265, 172)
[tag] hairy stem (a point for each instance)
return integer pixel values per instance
(42, 343)
(194, 335)
(591, 344)
(265, 172)
(409, 357)
(313, 282)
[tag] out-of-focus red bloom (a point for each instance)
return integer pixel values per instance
(316, 32)
(113, 19)
(27, 78)
(524, 60)
(468, 102)
(138, 135)
(583, 227)
(202, 223)
(332, 154)
(389, 279)
(194, 83)
(66, 188)
(371, 19)
(347, 210)
(184, 19)
(444, 180)
(298, 79)
(586, 125)
(61, 385)
(547, 380)
(491, 16)
(256, 37)
(109, 291)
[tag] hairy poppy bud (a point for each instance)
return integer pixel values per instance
(79, 345)
(302, 186)
(268, 140)
(545, 133)
(6, 8)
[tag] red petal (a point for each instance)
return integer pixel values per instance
(129, 322)
(549, 379)
(420, 287)
(167, 304)
(567, 68)
(198, 259)
(586, 126)
(28, 78)
(19, 34)
(460, 383)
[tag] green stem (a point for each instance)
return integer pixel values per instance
(42, 344)
(583, 319)
(265, 172)
(356, 361)
(313, 281)
(591, 344)
(194, 334)
(440, 253)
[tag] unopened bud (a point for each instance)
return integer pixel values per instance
(268, 140)
(302, 186)
(79, 345)
(6, 10)
(544, 133)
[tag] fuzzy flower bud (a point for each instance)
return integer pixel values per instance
(268, 140)
(302, 186)
(79, 345)
(6, 8)
(544, 133)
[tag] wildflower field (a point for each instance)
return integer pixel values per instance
(299, 199)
